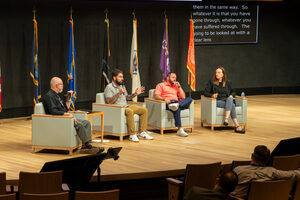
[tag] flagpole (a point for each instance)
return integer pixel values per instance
(103, 79)
(34, 11)
(189, 75)
(133, 14)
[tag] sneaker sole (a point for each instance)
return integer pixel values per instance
(133, 140)
(182, 135)
(145, 138)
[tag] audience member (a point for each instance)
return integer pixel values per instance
(224, 185)
(258, 170)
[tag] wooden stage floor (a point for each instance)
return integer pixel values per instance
(270, 119)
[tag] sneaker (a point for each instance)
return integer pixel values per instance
(134, 138)
(144, 135)
(182, 133)
(173, 106)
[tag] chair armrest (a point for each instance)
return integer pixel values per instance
(239, 97)
(237, 198)
(174, 188)
(241, 101)
(65, 187)
(108, 105)
(132, 102)
(155, 100)
(53, 116)
(174, 181)
(209, 98)
(78, 112)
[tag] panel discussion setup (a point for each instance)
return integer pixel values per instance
(149, 100)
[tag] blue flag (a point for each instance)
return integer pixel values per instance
(34, 71)
(72, 80)
(164, 57)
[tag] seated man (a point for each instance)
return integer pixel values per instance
(55, 106)
(224, 185)
(171, 92)
(258, 170)
(115, 93)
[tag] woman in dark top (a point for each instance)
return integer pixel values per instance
(220, 88)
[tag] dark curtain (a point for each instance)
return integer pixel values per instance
(274, 61)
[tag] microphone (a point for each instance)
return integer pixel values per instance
(123, 84)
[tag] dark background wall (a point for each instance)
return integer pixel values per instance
(272, 63)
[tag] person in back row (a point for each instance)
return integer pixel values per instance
(258, 170)
(115, 93)
(224, 185)
(171, 92)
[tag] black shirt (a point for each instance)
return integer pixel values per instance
(53, 104)
(223, 92)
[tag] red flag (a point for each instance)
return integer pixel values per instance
(191, 58)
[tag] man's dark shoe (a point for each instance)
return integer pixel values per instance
(89, 149)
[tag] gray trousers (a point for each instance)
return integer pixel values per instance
(83, 129)
(228, 105)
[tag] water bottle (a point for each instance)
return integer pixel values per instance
(243, 94)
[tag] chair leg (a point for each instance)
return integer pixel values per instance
(245, 126)
(32, 149)
(161, 131)
(70, 152)
(192, 129)
(212, 128)
(121, 137)
(201, 124)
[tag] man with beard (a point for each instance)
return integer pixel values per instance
(115, 93)
(55, 106)
(171, 92)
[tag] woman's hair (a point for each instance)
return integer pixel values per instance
(224, 79)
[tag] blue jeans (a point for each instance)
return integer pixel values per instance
(228, 105)
(183, 104)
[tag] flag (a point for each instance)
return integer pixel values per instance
(34, 71)
(164, 58)
(191, 59)
(72, 79)
(134, 64)
(0, 91)
(104, 77)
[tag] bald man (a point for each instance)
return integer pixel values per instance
(55, 106)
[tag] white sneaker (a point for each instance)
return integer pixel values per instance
(173, 106)
(144, 135)
(134, 138)
(182, 133)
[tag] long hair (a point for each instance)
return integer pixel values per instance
(224, 79)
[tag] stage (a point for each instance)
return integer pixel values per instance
(270, 119)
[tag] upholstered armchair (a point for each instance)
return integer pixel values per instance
(213, 116)
(161, 118)
(115, 122)
(54, 131)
